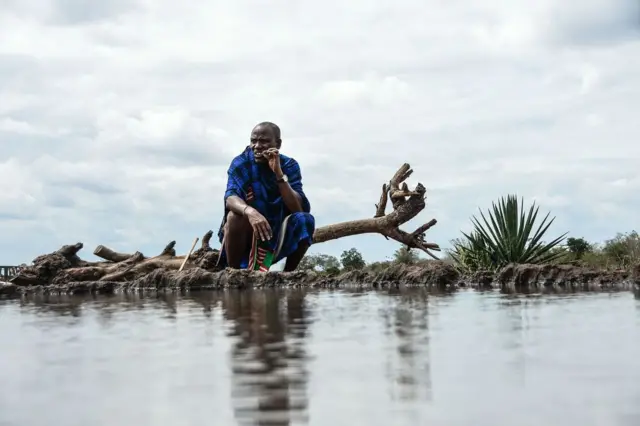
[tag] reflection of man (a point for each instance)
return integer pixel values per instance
(266, 211)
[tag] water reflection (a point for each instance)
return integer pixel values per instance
(268, 358)
(514, 324)
(55, 304)
(300, 356)
(407, 327)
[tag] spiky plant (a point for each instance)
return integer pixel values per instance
(505, 237)
(471, 254)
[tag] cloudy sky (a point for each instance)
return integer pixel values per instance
(118, 118)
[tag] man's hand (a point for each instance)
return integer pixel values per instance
(260, 225)
(273, 156)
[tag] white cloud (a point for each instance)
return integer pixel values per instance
(552, 22)
(118, 119)
(371, 89)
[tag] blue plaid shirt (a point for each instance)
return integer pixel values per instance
(256, 184)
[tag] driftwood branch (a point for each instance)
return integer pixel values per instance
(206, 239)
(108, 254)
(424, 228)
(381, 207)
(169, 250)
(406, 206)
(64, 266)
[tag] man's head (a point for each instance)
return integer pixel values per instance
(264, 136)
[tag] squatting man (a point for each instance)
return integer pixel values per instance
(267, 214)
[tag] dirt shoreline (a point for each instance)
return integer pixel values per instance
(51, 277)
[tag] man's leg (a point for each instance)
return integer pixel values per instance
(293, 260)
(237, 240)
(300, 229)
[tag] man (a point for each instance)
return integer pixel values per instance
(267, 215)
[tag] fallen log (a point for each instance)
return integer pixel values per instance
(64, 266)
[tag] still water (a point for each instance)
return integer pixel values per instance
(344, 357)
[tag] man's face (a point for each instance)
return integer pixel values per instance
(262, 138)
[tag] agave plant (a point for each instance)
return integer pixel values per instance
(471, 254)
(506, 237)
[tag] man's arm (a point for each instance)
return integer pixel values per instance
(233, 196)
(291, 198)
(291, 191)
(235, 202)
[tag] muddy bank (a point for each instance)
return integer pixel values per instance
(438, 275)
(63, 272)
(527, 277)
(519, 277)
